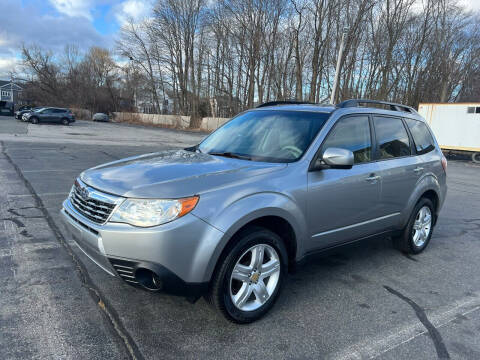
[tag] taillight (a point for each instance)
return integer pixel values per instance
(444, 163)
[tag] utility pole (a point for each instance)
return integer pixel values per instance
(337, 71)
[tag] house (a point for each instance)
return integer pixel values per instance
(9, 91)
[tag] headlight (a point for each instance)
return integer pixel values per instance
(146, 212)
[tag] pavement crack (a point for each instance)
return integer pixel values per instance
(113, 319)
(15, 221)
(13, 212)
(434, 334)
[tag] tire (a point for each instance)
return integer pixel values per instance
(34, 120)
(415, 236)
(65, 122)
(476, 157)
(241, 256)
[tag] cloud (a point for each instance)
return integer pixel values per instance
(471, 4)
(33, 24)
(74, 8)
(132, 9)
(7, 66)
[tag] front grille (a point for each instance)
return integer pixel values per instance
(93, 209)
(125, 269)
(85, 226)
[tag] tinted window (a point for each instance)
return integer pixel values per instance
(58, 111)
(392, 137)
(266, 135)
(421, 136)
(352, 133)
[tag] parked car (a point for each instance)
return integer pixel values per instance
(6, 108)
(228, 217)
(101, 117)
(24, 115)
(50, 114)
(22, 110)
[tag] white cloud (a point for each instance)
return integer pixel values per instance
(8, 65)
(47, 31)
(74, 8)
(471, 4)
(132, 9)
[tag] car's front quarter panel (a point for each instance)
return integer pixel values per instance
(283, 195)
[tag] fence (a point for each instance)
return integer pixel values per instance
(173, 121)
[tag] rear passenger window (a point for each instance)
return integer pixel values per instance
(392, 137)
(421, 136)
(352, 133)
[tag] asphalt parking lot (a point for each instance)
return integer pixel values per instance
(363, 301)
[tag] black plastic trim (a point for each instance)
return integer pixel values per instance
(170, 283)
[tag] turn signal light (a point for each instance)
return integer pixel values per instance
(444, 163)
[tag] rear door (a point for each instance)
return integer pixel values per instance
(57, 115)
(399, 168)
(343, 204)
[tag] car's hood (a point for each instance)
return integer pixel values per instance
(172, 174)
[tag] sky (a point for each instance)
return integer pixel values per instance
(53, 24)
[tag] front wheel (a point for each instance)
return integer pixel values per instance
(419, 229)
(34, 120)
(249, 278)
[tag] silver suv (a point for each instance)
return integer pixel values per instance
(227, 218)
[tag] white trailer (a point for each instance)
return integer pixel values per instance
(455, 125)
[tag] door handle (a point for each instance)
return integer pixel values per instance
(418, 169)
(373, 177)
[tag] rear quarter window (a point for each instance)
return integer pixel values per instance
(421, 136)
(392, 137)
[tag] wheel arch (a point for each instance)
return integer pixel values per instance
(274, 222)
(428, 188)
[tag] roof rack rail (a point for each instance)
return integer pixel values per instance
(393, 106)
(284, 102)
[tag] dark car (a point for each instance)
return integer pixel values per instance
(6, 108)
(52, 115)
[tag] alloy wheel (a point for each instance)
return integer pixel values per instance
(422, 226)
(255, 277)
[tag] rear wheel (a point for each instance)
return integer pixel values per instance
(419, 229)
(249, 278)
(65, 121)
(476, 157)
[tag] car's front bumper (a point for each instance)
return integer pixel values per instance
(178, 252)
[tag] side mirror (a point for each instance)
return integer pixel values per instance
(335, 158)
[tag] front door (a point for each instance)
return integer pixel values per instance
(344, 204)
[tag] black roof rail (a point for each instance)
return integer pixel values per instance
(284, 102)
(393, 106)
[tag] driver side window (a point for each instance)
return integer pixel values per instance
(352, 133)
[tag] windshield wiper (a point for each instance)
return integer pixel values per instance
(231, 155)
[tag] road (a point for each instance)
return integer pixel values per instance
(363, 301)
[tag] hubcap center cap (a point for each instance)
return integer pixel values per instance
(255, 276)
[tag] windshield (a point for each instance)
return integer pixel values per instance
(266, 135)
(39, 109)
